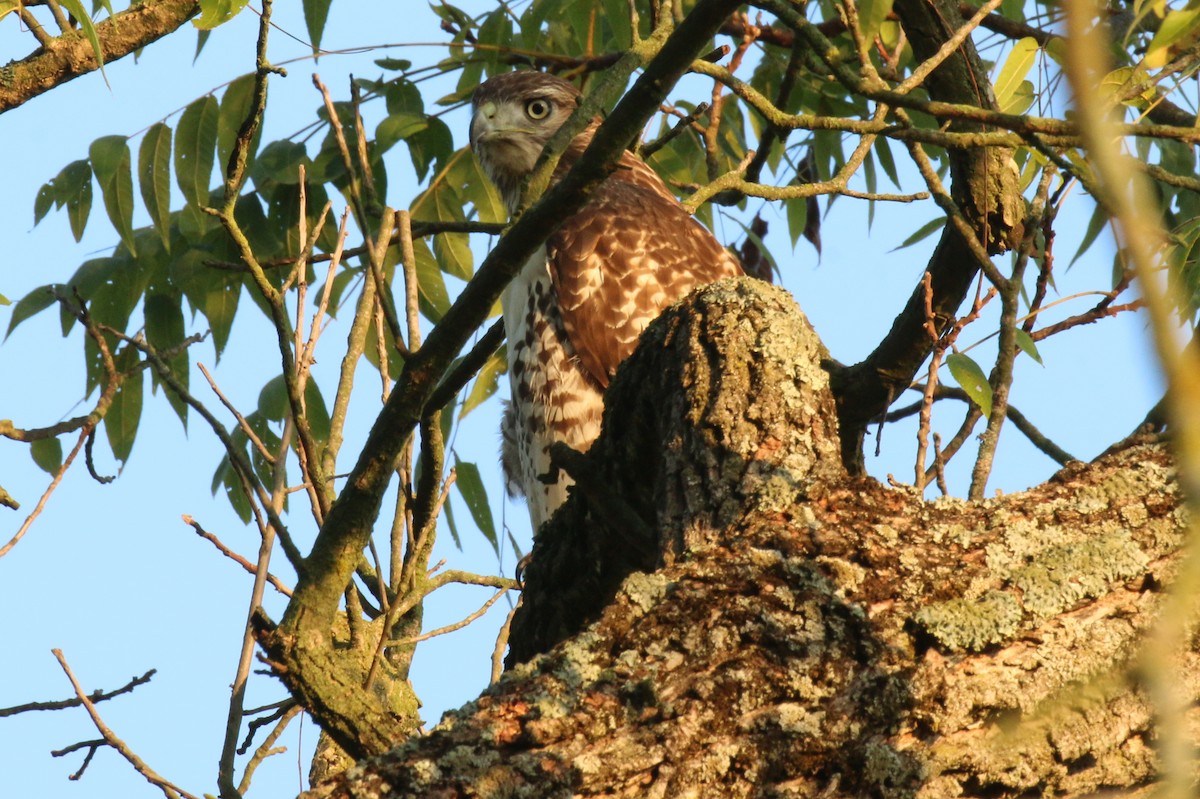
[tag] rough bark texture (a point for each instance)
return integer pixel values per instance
(71, 55)
(806, 633)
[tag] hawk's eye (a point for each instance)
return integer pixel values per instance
(537, 109)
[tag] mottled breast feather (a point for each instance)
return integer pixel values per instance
(576, 309)
(632, 251)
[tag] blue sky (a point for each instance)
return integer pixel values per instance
(111, 574)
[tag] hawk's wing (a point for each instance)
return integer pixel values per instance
(616, 265)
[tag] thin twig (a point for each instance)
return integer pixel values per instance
(501, 645)
(96, 696)
(92, 747)
(408, 261)
(169, 789)
(235, 557)
(684, 123)
(468, 367)
(267, 455)
(1001, 376)
(449, 628)
(41, 505)
(1019, 420)
(265, 750)
(252, 489)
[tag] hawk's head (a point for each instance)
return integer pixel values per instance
(513, 116)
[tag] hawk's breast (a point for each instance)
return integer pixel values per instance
(553, 398)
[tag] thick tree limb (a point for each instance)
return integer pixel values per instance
(807, 633)
(70, 55)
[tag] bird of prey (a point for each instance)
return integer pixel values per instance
(577, 307)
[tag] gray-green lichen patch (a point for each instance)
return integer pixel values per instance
(580, 660)
(790, 717)
(973, 625)
(645, 590)
(469, 760)
(1062, 576)
(778, 490)
(1122, 485)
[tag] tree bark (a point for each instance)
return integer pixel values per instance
(71, 54)
(720, 610)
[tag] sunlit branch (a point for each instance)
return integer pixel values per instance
(170, 790)
(95, 696)
(235, 557)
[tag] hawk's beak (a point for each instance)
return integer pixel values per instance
(483, 122)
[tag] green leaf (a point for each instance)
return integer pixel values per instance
(1020, 100)
(316, 12)
(220, 306)
(486, 382)
(432, 296)
(273, 399)
(217, 12)
(235, 107)
(470, 488)
(121, 421)
(454, 254)
(922, 232)
(164, 330)
(74, 187)
(154, 179)
(5, 300)
(495, 33)
(47, 454)
(1027, 345)
(797, 217)
(43, 202)
(75, 7)
(195, 143)
(112, 164)
(201, 40)
(480, 191)
(883, 151)
(225, 477)
(1120, 78)
(1056, 48)
(279, 162)
(393, 64)
(871, 14)
(435, 143)
(403, 96)
(972, 380)
(316, 411)
(1016, 67)
(1181, 25)
(396, 127)
(448, 509)
(1097, 223)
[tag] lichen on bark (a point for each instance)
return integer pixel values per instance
(720, 610)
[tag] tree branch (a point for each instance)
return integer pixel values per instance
(94, 697)
(70, 55)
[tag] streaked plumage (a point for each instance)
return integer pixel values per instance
(577, 307)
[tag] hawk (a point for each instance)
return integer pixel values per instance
(577, 307)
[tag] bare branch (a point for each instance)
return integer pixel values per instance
(170, 790)
(235, 557)
(95, 696)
